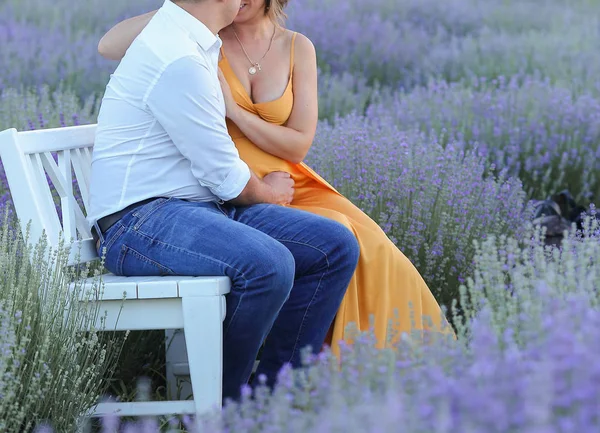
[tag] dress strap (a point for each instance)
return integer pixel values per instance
(292, 53)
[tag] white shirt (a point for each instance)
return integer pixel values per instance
(161, 126)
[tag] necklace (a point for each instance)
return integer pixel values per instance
(255, 65)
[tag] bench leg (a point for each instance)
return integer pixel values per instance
(178, 372)
(203, 330)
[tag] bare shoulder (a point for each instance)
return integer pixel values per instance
(304, 48)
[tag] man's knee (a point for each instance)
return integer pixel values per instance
(273, 265)
(343, 241)
(283, 267)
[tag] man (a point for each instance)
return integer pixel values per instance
(170, 195)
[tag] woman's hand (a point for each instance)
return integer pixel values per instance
(230, 105)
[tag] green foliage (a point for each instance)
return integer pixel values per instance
(511, 272)
(30, 109)
(53, 364)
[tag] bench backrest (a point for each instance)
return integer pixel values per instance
(62, 156)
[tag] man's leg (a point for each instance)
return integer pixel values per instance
(167, 237)
(325, 254)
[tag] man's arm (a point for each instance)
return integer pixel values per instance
(188, 106)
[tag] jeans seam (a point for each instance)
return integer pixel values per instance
(265, 207)
(307, 245)
(108, 243)
(317, 290)
(191, 253)
(126, 249)
(233, 314)
(143, 217)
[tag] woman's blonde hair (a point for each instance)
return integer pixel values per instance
(274, 10)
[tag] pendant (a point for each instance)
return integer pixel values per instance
(254, 69)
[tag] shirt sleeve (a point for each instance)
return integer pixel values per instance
(187, 101)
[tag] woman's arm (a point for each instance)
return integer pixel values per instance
(292, 141)
(117, 40)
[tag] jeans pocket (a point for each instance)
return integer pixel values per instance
(133, 263)
(109, 238)
(143, 213)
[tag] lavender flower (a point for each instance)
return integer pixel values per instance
(546, 135)
(432, 201)
(543, 380)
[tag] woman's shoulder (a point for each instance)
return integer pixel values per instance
(303, 46)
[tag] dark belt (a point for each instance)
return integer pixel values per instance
(108, 221)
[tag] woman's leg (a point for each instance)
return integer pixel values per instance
(386, 294)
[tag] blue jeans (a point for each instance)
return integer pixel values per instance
(289, 270)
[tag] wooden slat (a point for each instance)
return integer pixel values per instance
(82, 251)
(149, 408)
(140, 314)
(60, 174)
(117, 290)
(55, 139)
(182, 369)
(37, 167)
(204, 286)
(68, 200)
(162, 287)
(157, 289)
(79, 161)
(53, 172)
(87, 154)
(81, 223)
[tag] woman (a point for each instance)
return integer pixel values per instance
(269, 80)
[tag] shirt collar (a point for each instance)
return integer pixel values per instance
(196, 28)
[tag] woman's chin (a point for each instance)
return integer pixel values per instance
(243, 16)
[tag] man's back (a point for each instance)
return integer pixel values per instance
(135, 155)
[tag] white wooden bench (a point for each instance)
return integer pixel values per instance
(194, 304)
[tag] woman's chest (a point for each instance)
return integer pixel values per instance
(263, 80)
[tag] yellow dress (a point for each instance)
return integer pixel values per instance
(386, 286)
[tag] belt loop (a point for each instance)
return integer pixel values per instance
(222, 207)
(99, 232)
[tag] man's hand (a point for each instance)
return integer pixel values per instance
(275, 188)
(282, 185)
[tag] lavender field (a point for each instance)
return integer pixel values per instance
(447, 122)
